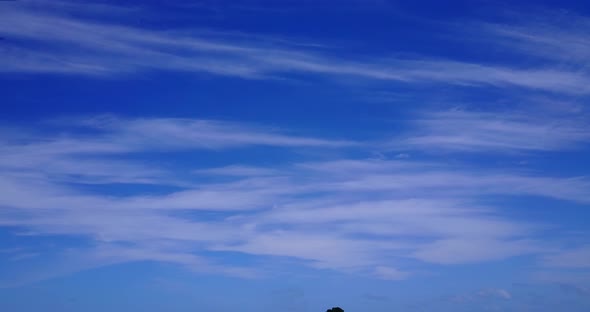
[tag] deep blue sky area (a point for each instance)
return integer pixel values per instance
(294, 155)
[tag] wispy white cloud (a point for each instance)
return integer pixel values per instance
(495, 292)
(354, 215)
(99, 47)
(559, 37)
(495, 132)
(177, 133)
(569, 258)
(73, 260)
(24, 256)
(466, 250)
(569, 280)
(388, 273)
(76, 157)
(560, 276)
(577, 289)
(406, 177)
(346, 213)
(238, 171)
(477, 296)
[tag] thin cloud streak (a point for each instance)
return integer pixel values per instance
(106, 49)
(557, 37)
(352, 215)
(466, 131)
(574, 258)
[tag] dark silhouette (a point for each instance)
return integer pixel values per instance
(335, 309)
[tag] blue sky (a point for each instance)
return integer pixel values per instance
(294, 155)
